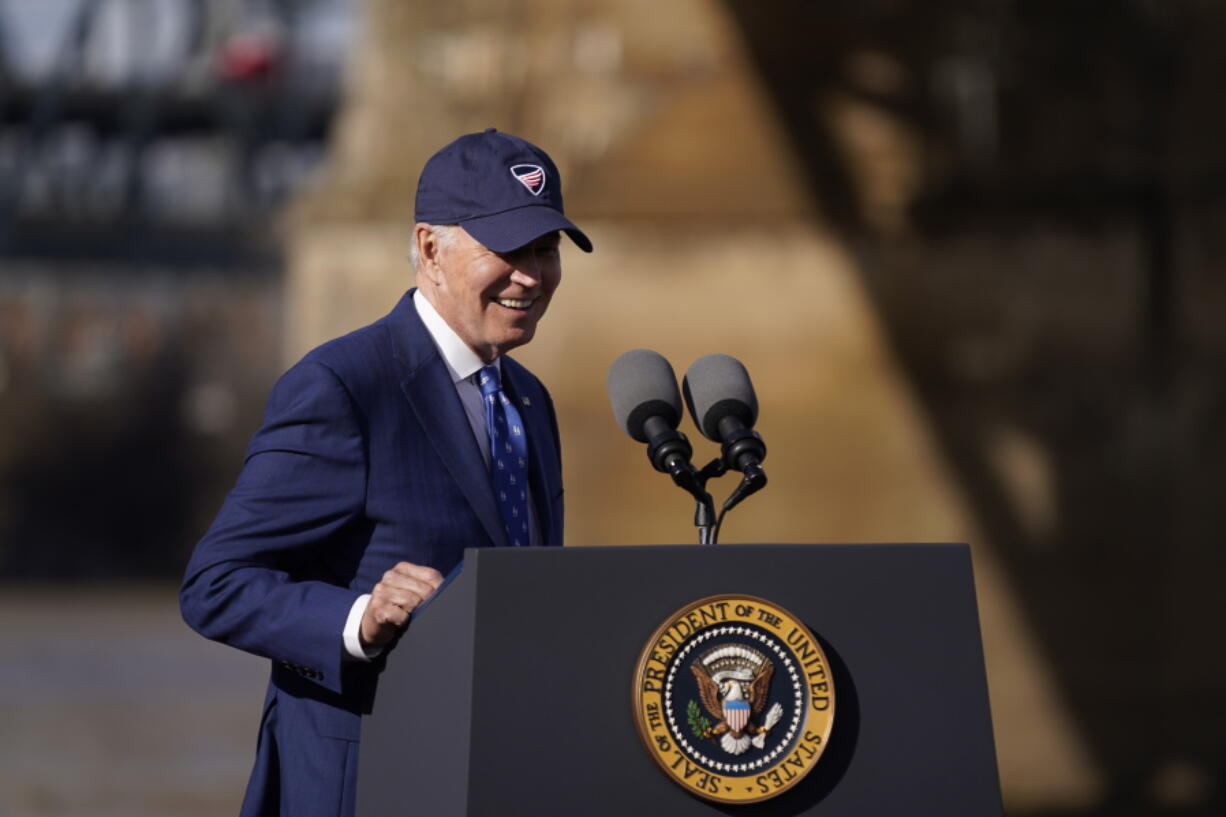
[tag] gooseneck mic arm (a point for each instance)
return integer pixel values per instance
(742, 450)
(670, 452)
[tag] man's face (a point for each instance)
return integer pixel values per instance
(492, 300)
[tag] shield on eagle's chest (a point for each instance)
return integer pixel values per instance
(736, 713)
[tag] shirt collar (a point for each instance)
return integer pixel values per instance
(461, 361)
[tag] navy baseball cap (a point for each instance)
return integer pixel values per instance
(505, 192)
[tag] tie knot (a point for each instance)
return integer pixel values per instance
(489, 381)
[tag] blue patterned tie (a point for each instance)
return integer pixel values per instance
(508, 456)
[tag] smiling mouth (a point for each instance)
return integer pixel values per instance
(514, 303)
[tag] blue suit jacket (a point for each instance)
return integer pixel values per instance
(365, 458)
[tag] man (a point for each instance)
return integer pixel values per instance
(382, 455)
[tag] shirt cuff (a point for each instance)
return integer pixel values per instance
(353, 632)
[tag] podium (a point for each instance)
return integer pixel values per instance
(511, 692)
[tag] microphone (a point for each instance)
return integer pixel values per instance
(724, 407)
(643, 390)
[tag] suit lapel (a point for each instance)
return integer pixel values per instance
(427, 386)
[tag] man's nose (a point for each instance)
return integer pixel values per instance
(525, 277)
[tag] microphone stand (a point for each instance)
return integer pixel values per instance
(695, 482)
(670, 452)
(753, 481)
(704, 517)
(743, 450)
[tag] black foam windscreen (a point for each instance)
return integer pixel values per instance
(641, 384)
(717, 386)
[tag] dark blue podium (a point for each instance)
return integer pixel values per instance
(510, 694)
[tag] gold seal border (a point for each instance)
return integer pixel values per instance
(818, 723)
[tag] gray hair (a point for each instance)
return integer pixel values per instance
(444, 234)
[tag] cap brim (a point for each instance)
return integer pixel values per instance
(512, 229)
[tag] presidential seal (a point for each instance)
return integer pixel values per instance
(733, 699)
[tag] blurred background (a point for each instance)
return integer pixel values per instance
(968, 250)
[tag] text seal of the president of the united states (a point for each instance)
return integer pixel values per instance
(734, 699)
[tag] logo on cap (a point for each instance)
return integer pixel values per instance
(530, 176)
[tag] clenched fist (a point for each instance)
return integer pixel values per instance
(399, 593)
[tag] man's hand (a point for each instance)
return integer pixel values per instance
(399, 593)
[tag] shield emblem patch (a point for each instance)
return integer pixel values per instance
(530, 176)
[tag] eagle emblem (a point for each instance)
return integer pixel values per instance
(733, 698)
(733, 684)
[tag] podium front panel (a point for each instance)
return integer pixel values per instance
(554, 636)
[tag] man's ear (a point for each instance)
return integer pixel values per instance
(428, 249)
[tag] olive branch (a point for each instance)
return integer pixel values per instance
(699, 725)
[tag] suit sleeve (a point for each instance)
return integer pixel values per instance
(255, 580)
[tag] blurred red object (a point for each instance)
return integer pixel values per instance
(248, 56)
